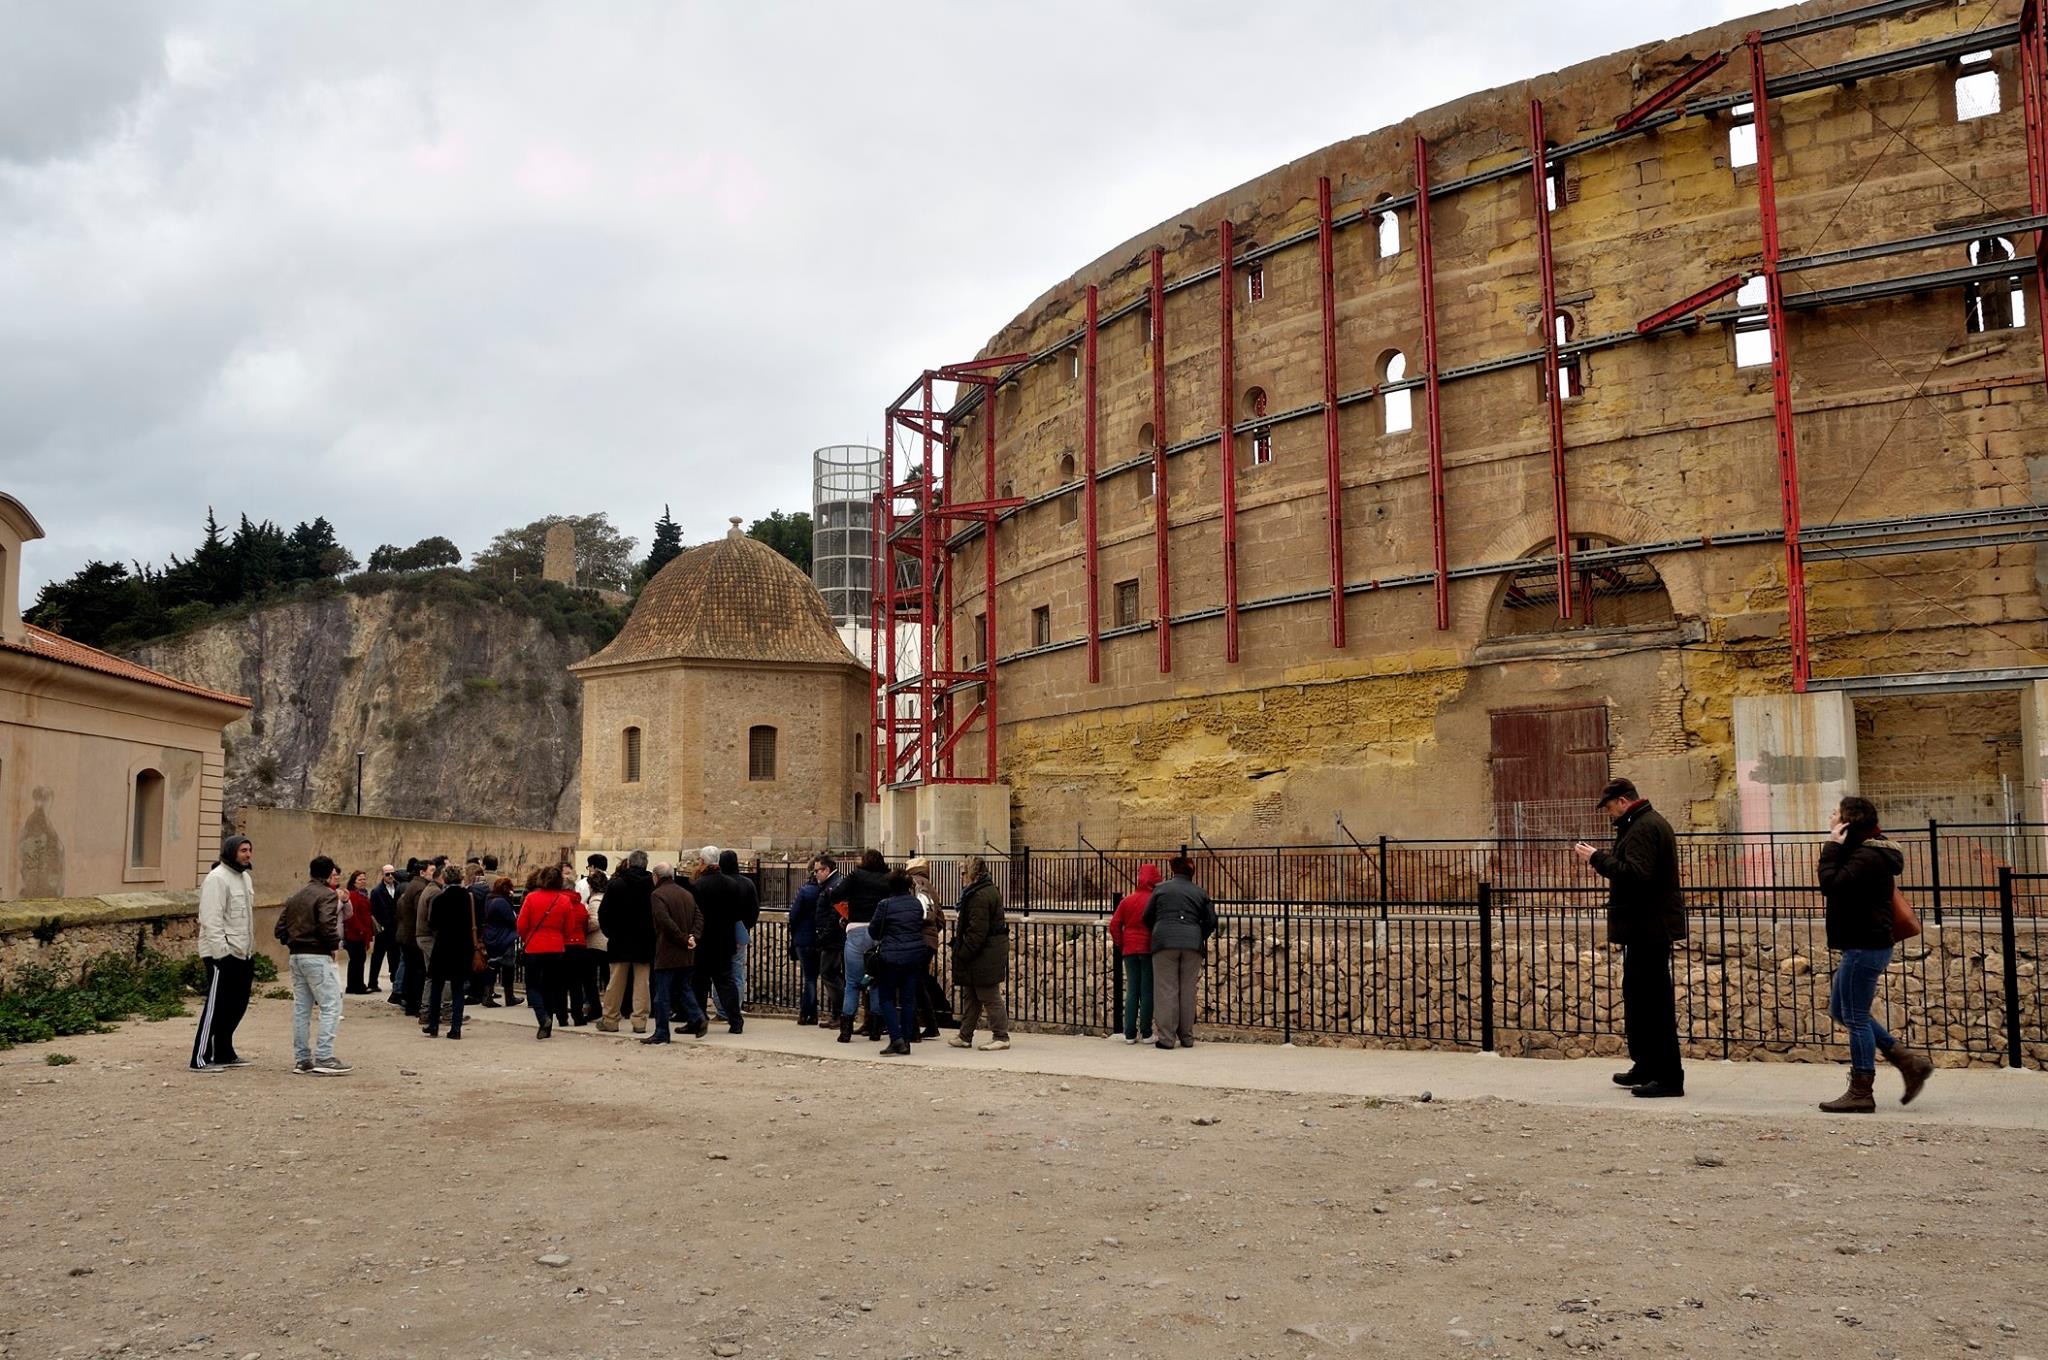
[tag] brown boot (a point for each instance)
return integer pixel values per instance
(1914, 1067)
(1857, 1099)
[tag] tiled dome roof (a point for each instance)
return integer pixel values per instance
(733, 599)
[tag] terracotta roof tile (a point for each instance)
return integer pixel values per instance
(51, 646)
(734, 599)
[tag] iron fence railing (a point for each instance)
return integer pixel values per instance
(1502, 945)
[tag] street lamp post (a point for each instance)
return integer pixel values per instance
(359, 783)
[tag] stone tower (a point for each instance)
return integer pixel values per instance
(558, 558)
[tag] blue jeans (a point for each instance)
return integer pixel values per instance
(854, 956)
(669, 986)
(739, 968)
(1849, 1000)
(314, 983)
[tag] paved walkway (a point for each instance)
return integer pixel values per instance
(1976, 1097)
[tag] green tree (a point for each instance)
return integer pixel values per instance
(667, 545)
(89, 604)
(604, 556)
(424, 555)
(789, 533)
(312, 552)
(210, 577)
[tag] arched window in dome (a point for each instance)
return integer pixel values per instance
(1606, 593)
(1397, 411)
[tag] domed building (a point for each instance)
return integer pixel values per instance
(727, 711)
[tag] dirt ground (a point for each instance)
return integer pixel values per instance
(715, 1202)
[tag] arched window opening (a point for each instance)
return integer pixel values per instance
(146, 821)
(1977, 93)
(1069, 503)
(1606, 593)
(629, 756)
(760, 753)
(1753, 330)
(1571, 372)
(1997, 304)
(1262, 435)
(1074, 362)
(1145, 322)
(1387, 227)
(1396, 410)
(1741, 136)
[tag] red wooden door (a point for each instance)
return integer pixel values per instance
(1549, 764)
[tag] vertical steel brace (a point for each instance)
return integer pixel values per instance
(1333, 471)
(1426, 262)
(1227, 287)
(1159, 496)
(1539, 168)
(1089, 551)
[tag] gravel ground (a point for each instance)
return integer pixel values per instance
(502, 1197)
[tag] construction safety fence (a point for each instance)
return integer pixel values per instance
(1341, 966)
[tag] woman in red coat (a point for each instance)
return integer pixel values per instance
(551, 922)
(358, 928)
(1132, 941)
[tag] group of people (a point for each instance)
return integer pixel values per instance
(655, 942)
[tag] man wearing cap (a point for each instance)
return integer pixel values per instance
(1645, 915)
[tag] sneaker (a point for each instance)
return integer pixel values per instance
(208, 1067)
(957, 1042)
(332, 1067)
(995, 1045)
(304, 1067)
(237, 1061)
(1131, 1039)
(612, 1027)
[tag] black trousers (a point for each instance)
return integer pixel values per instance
(717, 974)
(355, 950)
(384, 949)
(1649, 1016)
(226, 1001)
(415, 977)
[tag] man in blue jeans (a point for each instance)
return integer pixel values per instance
(677, 924)
(309, 927)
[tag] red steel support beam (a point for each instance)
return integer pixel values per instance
(1670, 92)
(1688, 306)
(1159, 507)
(885, 621)
(1781, 371)
(1089, 553)
(1333, 472)
(988, 577)
(942, 492)
(1425, 258)
(1560, 503)
(2034, 100)
(927, 524)
(876, 732)
(1226, 284)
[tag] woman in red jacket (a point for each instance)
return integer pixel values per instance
(358, 928)
(550, 924)
(1132, 941)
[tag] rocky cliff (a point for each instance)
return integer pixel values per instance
(465, 710)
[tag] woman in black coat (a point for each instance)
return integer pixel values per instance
(452, 914)
(1858, 871)
(897, 931)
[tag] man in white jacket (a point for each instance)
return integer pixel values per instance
(227, 935)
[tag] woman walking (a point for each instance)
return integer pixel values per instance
(501, 939)
(1132, 940)
(358, 928)
(457, 935)
(547, 920)
(897, 930)
(1858, 870)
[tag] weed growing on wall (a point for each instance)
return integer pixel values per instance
(43, 1001)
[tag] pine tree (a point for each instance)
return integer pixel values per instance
(667, 545)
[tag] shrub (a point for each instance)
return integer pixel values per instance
(41, 1001)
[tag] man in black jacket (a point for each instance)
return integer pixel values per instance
(1645, 915)
(721, 899)
(626, 916)
(384, 915)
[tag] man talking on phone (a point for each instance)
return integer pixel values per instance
(1645, 914)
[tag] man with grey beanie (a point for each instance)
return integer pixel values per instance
(227, 944)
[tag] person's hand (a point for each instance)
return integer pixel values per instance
(693, 941)
(1839, 834)
(1584, 852)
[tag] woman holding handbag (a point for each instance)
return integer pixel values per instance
(458, 952)
(1858, 874)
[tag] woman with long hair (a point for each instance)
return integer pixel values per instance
(897, 929)
(501, 938)
(358, 928)
(548, 919)
(1859, 868)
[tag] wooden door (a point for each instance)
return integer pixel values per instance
(1549, 764)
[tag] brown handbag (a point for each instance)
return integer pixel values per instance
(1905, 921)
(479, 959)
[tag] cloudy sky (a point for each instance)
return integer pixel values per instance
(442, 266)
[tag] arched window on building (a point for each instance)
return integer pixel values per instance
(146, 821)
(1386, 224)
(1995, 304)
(1558, 190)
(760, 753)
(1255, 282)
(1624, 593)
(1070, 507)
(1397, 412)
(1262, 435)
(1571, 370)
(629, 756)
(1753, 332)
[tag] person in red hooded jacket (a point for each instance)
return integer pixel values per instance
(551, 923)
(1132, 940)
(358, 928)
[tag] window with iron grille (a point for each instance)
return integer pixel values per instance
(1255, 283)
(760, 753)
(1126, 603)
(1041, 625)
(629, 756)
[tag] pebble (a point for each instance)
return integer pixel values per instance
(552, 1258)
(1708, 1159)
(1554, 1330)
(725, 1348)
(1205, 1120)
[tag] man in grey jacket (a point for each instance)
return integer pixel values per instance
(227, 928)
(1181, 918)
(310, 928)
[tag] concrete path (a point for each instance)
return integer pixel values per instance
(1974, 1097)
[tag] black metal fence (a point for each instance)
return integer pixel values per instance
(1383, 942)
